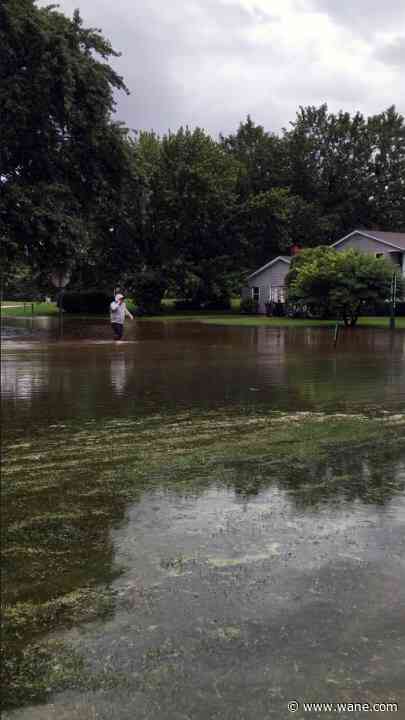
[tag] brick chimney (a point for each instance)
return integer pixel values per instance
(295, 249)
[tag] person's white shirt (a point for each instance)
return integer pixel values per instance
(118, 312)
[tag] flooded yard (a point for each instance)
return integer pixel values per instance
(203, 522)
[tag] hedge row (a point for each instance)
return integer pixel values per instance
(99, 302)
(383, 309)
(223, 303)
(86, 302)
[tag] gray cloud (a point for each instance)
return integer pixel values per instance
(180, 64)
(365, 17)
(212, 62)
(393, 53)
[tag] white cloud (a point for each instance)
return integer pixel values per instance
(211, 62)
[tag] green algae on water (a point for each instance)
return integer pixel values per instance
(62, 496)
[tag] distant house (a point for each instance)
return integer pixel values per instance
(376, 242)
(267, 284)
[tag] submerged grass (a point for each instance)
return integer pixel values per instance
(63, 492)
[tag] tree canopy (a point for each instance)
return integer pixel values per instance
(60, 152)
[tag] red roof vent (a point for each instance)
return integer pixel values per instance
(295, 249)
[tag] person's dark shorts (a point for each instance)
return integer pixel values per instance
(118, 330)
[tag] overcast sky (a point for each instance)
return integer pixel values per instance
(212, 62)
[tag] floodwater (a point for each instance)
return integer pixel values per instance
(241, 589)
(167, 366)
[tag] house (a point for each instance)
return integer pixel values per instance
(267, 284)
(376, 242)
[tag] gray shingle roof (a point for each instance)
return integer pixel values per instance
(285, 258)
(397, 239)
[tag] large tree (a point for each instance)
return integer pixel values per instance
(330, 168)
(340, 283)
(265, 204)
(386, 133)
(262, 156)
(60, 153)
(182, 218)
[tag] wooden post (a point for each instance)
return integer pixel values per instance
(60, 278)
(336, 334)
(60, 299)
(393, 301)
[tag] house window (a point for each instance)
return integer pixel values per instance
(255, 294)
(379, 255)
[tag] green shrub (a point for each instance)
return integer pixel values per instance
(383, 308)
(219, 303)
(148, 291)
(194, 304)
(94, 301)
(248, 306)
(275, 309)
(187, 305)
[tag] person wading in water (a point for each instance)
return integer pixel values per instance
(118, 311)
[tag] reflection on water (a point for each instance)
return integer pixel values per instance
(119, 371)
(166, 366)
(346, 477)
(23, 383)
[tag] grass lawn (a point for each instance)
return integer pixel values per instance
(221, 318)
(24, 309)
(382, 321)
(262, 321)
(17, 309)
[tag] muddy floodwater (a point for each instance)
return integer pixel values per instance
(203, 522)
